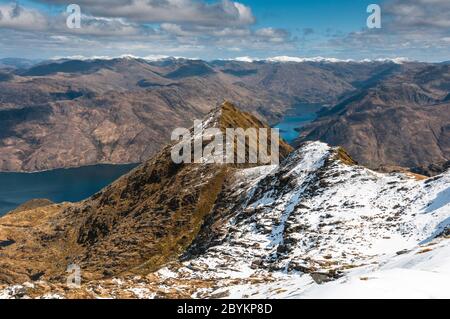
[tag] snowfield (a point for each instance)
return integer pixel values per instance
(415, 275)
(418, 274)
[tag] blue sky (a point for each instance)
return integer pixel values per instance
(211, 29)
(347, 15)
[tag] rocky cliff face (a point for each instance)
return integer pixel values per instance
(302, 228)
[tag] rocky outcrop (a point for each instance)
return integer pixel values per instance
(32, 204)
(432, 169)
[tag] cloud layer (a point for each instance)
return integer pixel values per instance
(16, 17)
(223, 13)
(215, 29)
(147, 26)
(417, 28)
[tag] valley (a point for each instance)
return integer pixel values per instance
(71, 113)
(401, 121)
(296, 118)
(326, 213)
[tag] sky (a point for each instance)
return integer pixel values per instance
(225, 29)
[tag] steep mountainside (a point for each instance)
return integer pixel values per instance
(73, 113)
(143, 220)
(404, 120)
(316, 221)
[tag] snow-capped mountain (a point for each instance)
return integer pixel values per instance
(317, 225)
(248, 59)
(295, 59)
(318, 218)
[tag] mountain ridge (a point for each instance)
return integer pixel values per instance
(280, 231)
(143, 216)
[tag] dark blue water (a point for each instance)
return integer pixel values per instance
(297, 118)
(60, 185)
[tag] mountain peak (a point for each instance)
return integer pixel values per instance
(137, 224)
(215, 230)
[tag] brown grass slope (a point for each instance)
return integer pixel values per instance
(143, 220)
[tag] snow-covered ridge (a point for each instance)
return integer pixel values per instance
(301, 60)
(292, 59)
(149, 58)
(247, 59)
(315, 227)
(314, 219)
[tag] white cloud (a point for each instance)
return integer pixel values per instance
(218, 13)
(175, 29)
(142, 25)
(245, 13)
(95, 26)
(423, 14)
(412, 28)
(17, 17)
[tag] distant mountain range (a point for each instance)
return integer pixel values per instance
(65, 113)
(18, 63)
(318, 225)
(69, 113)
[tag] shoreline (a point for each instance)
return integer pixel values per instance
(84, 181)
(68, 168)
